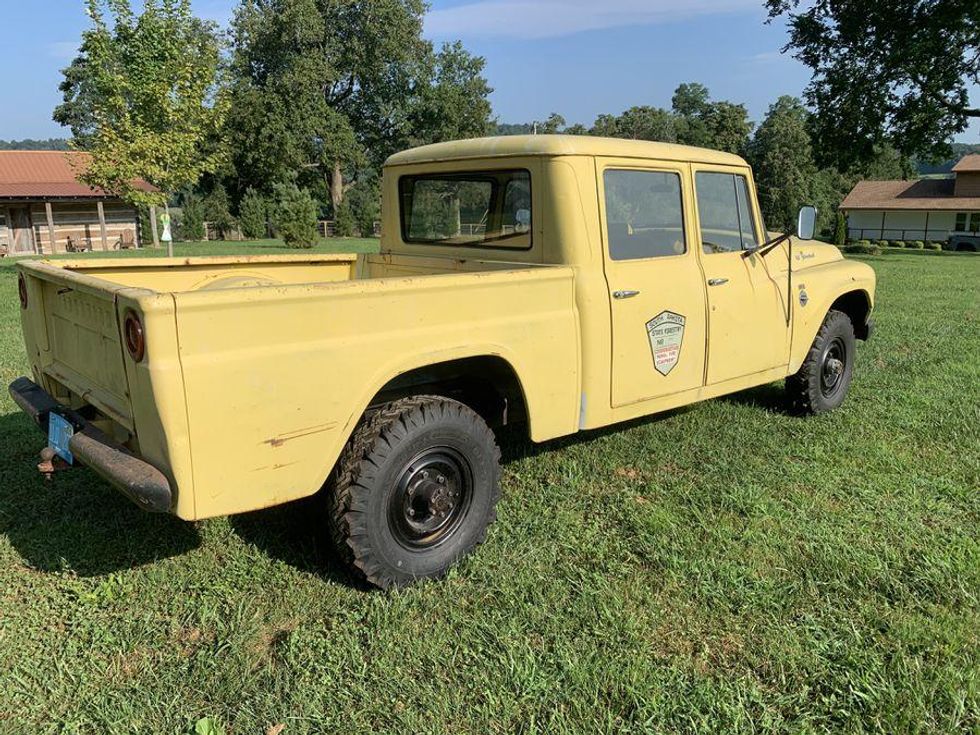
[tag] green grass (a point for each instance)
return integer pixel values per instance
(725, 568)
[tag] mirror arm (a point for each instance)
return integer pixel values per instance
(767, 247)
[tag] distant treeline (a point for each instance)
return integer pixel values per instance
(959, 150)
(29, 144)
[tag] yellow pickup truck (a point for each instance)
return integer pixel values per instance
(555, 283)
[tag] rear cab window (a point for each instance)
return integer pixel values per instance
(490, 209)
(644, 214)
(725, 212)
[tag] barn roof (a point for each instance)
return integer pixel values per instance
(47, 175)
(925, 194)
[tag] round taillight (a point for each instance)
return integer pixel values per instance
(133, 333)
(22, 290)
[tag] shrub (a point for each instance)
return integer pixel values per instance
(217, 212)
(294, 216)
(933, 246)
(865, 243)
(253, 214)
(192, 219)
(914, 245)
(881, 243)
(840, 231)
(343, 220)
(859, 249)
(896, 244)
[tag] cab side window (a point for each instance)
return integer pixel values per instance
(725, 213)
(644, 214)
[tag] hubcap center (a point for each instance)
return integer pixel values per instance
(430, 496)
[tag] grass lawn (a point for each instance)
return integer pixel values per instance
(722, 569)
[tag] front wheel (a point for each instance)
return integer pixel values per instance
(822, 382)
(414, 490)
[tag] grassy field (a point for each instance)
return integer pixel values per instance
(725, 568)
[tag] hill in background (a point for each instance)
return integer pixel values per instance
(29, 144)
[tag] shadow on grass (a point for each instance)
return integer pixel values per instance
(296, 533)
(75, 521)
(770, 397)
(515, 444)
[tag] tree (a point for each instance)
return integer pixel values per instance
(728, 127)
(191, 218)
(295, 216)
(451, 99)
(326, 89)
(895, 71)
(723, 126)
(217, 211)
(144, 98)
(840, 230)
(554, 124)
(606, 126)
(782, 156)
(647, 123)
(364, 199)
(253, 213)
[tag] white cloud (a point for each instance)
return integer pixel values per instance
(527, 19)
(62, 50)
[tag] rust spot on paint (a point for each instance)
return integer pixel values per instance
(278, 441)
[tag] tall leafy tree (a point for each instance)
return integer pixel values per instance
(325, 88)
(896, 71)
(144, 98)
(700, 122)
(451, 100)
(782, 156)
(647, 123)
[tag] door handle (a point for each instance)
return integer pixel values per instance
(625, 294)
(717, 281)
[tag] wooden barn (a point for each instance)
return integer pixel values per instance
(44, 209)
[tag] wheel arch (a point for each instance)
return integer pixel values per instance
(857, 305)
(488, 384)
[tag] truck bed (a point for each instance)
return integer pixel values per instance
(257, 368)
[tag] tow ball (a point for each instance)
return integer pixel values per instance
(51, 463)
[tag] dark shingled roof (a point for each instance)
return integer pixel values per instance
(931, 194)
(47, 175)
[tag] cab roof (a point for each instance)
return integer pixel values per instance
(508, 146)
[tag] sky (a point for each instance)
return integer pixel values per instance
(580, 58)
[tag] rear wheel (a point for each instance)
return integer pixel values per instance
(823, 380)
(414, 490)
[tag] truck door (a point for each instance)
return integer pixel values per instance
(655, 283)
(747, 329)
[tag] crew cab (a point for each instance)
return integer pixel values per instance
(555, 283)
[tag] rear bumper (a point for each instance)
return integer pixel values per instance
(138, 480)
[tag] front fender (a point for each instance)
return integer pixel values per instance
(824, 286)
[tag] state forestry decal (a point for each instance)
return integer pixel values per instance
(666, 333)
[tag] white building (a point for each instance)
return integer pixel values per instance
(927, 209)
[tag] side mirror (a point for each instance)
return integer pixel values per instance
(806, 224)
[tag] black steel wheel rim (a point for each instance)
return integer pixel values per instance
(832, 367)
(431, 498)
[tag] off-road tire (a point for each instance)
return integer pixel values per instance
(363, 488)
(807, 390)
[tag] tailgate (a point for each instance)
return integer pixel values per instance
(76, 321)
